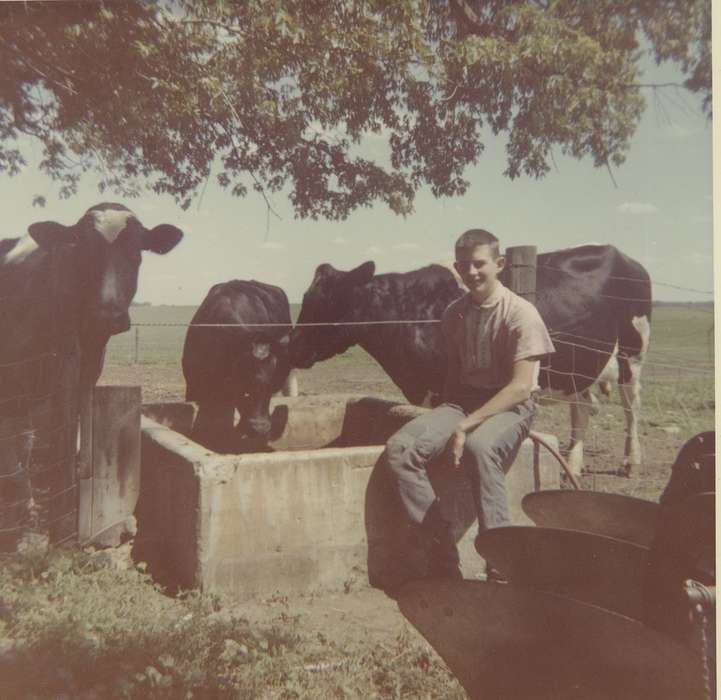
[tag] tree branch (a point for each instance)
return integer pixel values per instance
(654, 85)
(231, 136)
(610, 173)
(40, 73)
(213, 23)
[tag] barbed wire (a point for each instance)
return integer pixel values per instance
(22, 470)
(40, 500)
(42, 431)
(613, 345)
(37, 297)
(71, 536)
(544, 399)
(26, 360)
(29, 397)
(644, 363)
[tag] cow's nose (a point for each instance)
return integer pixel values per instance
(114, 320)
(259, 426)
(297, 356)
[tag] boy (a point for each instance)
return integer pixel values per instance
(494, 340)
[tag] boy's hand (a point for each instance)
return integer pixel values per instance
(455, 448)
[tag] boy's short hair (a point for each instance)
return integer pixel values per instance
(475, 237)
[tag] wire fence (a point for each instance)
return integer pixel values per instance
(676, 378)
(38, 489)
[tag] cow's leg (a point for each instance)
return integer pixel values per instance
(290, 388)
(630, 392)
(595, 404)
(633, 339)
(213, 426)
(581, 409)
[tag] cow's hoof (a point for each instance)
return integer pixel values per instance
(566, 479)
(625, 471)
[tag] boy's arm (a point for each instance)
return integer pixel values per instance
(517, 390)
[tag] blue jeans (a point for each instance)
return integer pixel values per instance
(489, 452)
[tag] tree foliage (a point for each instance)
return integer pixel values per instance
(280, 94)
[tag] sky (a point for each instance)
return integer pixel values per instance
(657, 208)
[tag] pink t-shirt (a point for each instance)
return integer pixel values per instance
(485, 340)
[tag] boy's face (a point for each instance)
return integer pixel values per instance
(479, 270)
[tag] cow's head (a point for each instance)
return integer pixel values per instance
(328, 300)
(107, 244)
(264, 369)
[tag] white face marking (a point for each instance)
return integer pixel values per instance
(110, 222)
(261, 350)
(24, 246)
(110, 290)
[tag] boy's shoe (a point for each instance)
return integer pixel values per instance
(443, 559)
(447, 570)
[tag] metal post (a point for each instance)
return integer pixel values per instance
(521, 266)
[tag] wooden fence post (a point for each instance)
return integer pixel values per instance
(521, 266)
(109, 462)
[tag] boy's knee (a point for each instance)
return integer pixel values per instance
(396, 448)
(481, 453)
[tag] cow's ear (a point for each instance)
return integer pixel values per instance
(48, 234)
(162, 239)
(361, 274)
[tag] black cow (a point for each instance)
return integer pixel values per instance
(239, 366)
(64, 290)
(595, 300)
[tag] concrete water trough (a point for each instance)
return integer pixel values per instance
(314, 511)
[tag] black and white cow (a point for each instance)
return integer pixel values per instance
(595, 300)
(235, 362)
(64, 290)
